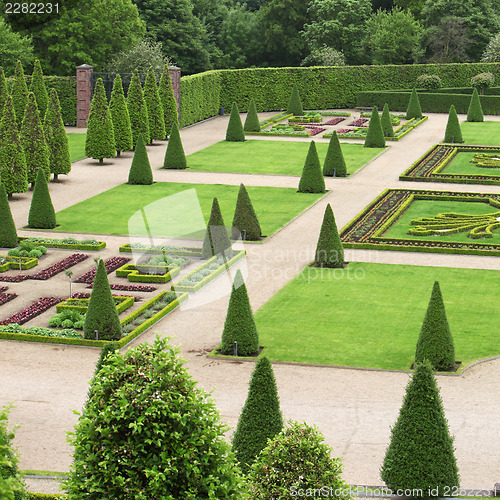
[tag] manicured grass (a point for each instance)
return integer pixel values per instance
(370, 315)
(76, 144)
(272, 157)
(485, 133)
(461, 164)
(109, 212)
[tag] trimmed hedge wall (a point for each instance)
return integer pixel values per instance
(46, 496)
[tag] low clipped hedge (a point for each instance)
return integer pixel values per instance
(45, 496)
(131, 272)
(49, 243)
(13, 263)
(124, 302)
(160, 249)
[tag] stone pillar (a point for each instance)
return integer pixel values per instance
(83, 93)
(175, 76)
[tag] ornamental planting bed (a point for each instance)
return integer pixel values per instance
(111, 264)
(31, 311)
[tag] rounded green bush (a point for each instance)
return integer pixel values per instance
(429, 82)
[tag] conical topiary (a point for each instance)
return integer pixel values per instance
(420, 453)
(294, 104)
(13, 171)
(234, 130)
(413, 110)
(435, 342)
(252, 123)
(260, 418)
(174, 155)
(245, 222)
(120, 117)
(312, 180)
(42, 214)
(137, 110)
(100, 140)
(8, 233)
(140, 170)
(33, 141)
(386, 122)
(3, 91)
(329, 250)
(56, 138)
(375, 135)
(453, 132)
(239, 325)
(39, 89)
(334, 165)
(475, 111)
(216, 241)
(19, 93)
(168, 102)
(101, 313)
(155, 110)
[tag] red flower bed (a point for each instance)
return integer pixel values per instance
(344, 131)
(31, 311)
(334, 121)
(111, 264)
(59, 267)
(3, 289)
(5, 297)
(15, 279)
(358, 123)
(314, 130)
(132, 288)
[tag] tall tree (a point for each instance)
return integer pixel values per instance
(329, 249)
(155, 109)
(8, 232)
(42, 214)
(19, 93)
(245, 222)
(448, 42)
(120, 117)
(39, 89)
(14, 47)
(216, 241)
(168, 102)
(137, 110)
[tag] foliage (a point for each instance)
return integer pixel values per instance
(420, 454)
(174, 154)
(294, 105)
(324, 56)
(154, 107)
(140, 170)
(8, 233)
(413, 110)
(146, 401)
(245, 219)
(491, 53)
(168, 102)
(14, 47)
(329, 250)
(3, 91)
(453, 132)
(429, 82)
(298, 455)
(42, 214)
(475, 111)
(19, 93)
(482, 81)
(386, 122)
(234, 130)
(39, 89)
(137, 110)
(375, 135)
(260, 418)
(312, 180)
(334, 165)
(109, 348)
(120, 117)
(252, 123)
(216, 239)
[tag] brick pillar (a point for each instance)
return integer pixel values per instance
(83, 93)
(175, 76)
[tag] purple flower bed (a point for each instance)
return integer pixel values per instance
(314, 130)
(358, 123)
(112, 264)
(59, 267)
(15, 279)
(132, 288)
(31, 311)
(3, 289)
(5, 297)
(334, 121)
(344, 131)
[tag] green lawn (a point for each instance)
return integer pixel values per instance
(484, 133)
(461, 164)
(76, 143)
(272, 157)
(370, 315)
(170, 216)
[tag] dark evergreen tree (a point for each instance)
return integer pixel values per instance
(8, 233)
(312, 180)
(12, 160)
(3, 91)
(19, 93)
(33, 141)
(101, 313)
(42, 214)
(216, 241)
(56, 138)
(39, 89)
(421, 454)
(413, 110)
(140, 170)
(252, 123)
(329, 250)
(168, 102)
(375, 135)
(294, 103)
(245, 222)
(260, 418)
(435, 342)
(155, 109)
(475, 111)
(174, 155)
(120, 117)
(453, 132)
(137, 110)
(100, 140)
(334, 165)
(235, 130)
(386, 122)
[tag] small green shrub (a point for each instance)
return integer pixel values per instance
(429, 82)
(413, 110)
(482, 81)
(312, 180)
(453, 132)
(475, 111)
(375, 135)
(294, 105)
(235, 132)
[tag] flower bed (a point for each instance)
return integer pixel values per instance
(315, 130)
(275, 119)
(31, 311)
(160, 249)
(12, 262)
(131, 288)
(6, 297)
(68, 243)
(59, 267)
(111, 265)
(395, 118)
(81, 304)
(360, 122)
(334, 121)
(131, 272)
(335, 113)
(33, 332)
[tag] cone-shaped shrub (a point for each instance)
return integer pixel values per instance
(216, 240)
(375, 135)
(260, 417)
(155, 110)
(13, 172)
(3, 91)
(120, 117)
(42, 214)
(56, 138)
(137, 110)
(252, 123)
(435, 342)
(33, 141)
(234, 130)
(8, 233)
(453, 132)
(312, 180)
(39, 89)
(174, 155)
(334, 165)
(386, 122)
(168, 102)
(239, 325)
(245, 222)
(294, 103)
(421, 454)
(19, 93)
(140, 170)
(329, 250)
(475, 111)
(413, 110)
(101, 313)
(100, 140)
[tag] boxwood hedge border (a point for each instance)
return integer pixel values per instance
(132, 274)
(70, 246)
(158, 249)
